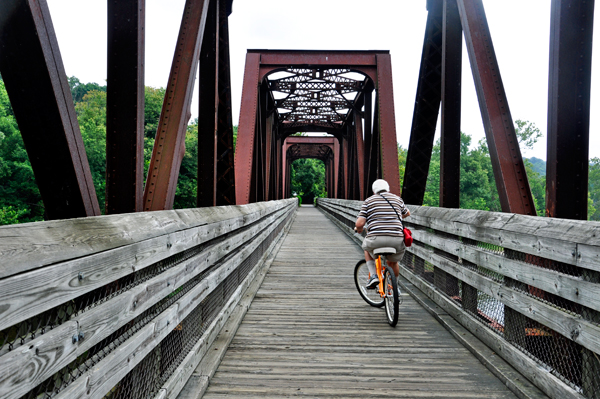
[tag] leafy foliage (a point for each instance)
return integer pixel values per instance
(308, 179)
(20, 199)
(594, 189)
(477, 183)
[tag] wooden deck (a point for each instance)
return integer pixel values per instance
(308, 333)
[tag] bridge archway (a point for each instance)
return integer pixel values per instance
(288, 91)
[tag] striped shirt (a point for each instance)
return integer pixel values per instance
(381, 218)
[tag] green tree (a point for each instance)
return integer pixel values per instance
(537, 183)
(187, 183)
(402, 154)
(308, 179)
(594, 189)
(91, 114)
(20, 199)
(432, 187)
(527, 133)
(154, 98)
(79, 90)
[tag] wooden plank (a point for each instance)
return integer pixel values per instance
(572, 288)
(525, 365)
(31, 245)
(25, 295)
(570, 241)
(301, 337)
(106, 374)
(236, 304)
(571, 326)
(105, 318)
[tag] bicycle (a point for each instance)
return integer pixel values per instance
(386, 294)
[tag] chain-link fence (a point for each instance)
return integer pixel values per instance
(521, 297)
(154, 370)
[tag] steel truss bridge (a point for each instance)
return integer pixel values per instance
(248, 295)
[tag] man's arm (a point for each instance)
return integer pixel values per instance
(360, 224)
(407, 214)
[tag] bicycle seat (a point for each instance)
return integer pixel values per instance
(384, 251)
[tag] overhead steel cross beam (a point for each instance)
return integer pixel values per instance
(288, 91)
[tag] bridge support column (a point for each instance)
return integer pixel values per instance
(37, 85)
(427, 105)
(450, 100)
(216, 183)
(571, 31)
(507, 163)
(387, 123)
(125, 107)
(169, 146)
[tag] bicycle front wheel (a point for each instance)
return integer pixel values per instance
(391, 296)
(361, 277)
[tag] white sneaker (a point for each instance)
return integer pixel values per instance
(373, 282)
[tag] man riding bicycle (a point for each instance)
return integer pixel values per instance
(380, 214)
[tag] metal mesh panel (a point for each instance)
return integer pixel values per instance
(23, 332)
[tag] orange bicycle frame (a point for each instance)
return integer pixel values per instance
(379, 269)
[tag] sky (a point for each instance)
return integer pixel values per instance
(519, 29)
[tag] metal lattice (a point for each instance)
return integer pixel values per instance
(315, 97)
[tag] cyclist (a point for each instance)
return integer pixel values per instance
(384, 227)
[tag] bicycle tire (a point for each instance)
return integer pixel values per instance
(392, 302)
(361, 276)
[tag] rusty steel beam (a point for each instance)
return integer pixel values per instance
(169, 145)
(387, 123)
(572, 23)
(326, 58)
(360, 156)
(125, 107)
(244, 151)
(507, 162)
(36, 82)
(374, 165)
(208, 114)
(427, 105)
(451, 95)
(368, 133)
(225, 185)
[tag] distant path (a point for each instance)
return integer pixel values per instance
(308, 333)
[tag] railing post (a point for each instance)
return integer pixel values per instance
(590, 378)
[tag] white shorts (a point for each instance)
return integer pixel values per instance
(373, 242)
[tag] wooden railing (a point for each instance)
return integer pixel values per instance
(533, 283)
(124, 306)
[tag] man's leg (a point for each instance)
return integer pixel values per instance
(395, 267)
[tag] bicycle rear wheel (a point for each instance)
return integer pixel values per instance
(391, 296)
(361, 276)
